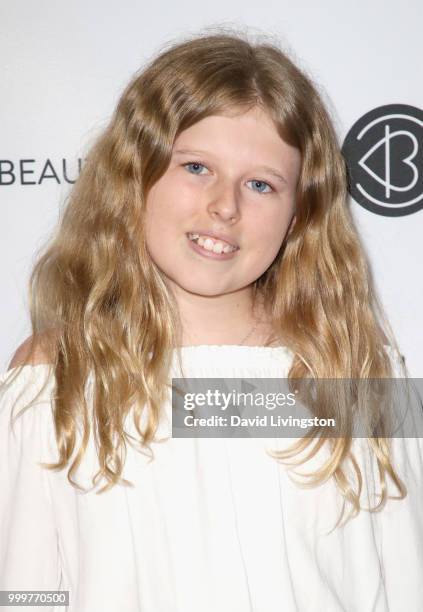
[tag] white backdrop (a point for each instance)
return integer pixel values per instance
(63, 67)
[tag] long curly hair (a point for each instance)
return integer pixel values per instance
(102, 308)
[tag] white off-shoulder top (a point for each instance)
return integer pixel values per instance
(211, 525)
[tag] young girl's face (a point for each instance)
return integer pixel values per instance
(231, 178)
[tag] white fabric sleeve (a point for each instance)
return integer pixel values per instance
(29, 555)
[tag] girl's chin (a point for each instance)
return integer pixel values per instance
(202, 286)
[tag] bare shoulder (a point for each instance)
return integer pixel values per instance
(32, 353)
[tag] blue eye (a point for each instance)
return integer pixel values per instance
(194, 167)
(261, 186)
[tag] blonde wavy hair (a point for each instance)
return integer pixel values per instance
(99, 304)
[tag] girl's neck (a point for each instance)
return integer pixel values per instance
(240, 325)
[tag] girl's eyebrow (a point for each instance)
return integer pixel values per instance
(189, 152)
(274, 173)
(269, 169)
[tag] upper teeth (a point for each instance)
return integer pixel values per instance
(209, 244)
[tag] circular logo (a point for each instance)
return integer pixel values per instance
(384, 155)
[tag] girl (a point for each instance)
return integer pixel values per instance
(208, 235)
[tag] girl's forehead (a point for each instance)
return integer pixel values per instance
(249, 129)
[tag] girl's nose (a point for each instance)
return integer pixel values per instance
(224, 202)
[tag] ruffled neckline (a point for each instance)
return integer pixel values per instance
(238, 359)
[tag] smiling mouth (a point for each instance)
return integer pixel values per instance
(211, 244)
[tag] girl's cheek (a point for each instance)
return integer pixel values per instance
(190, 197)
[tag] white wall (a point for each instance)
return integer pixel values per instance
(64, 65)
